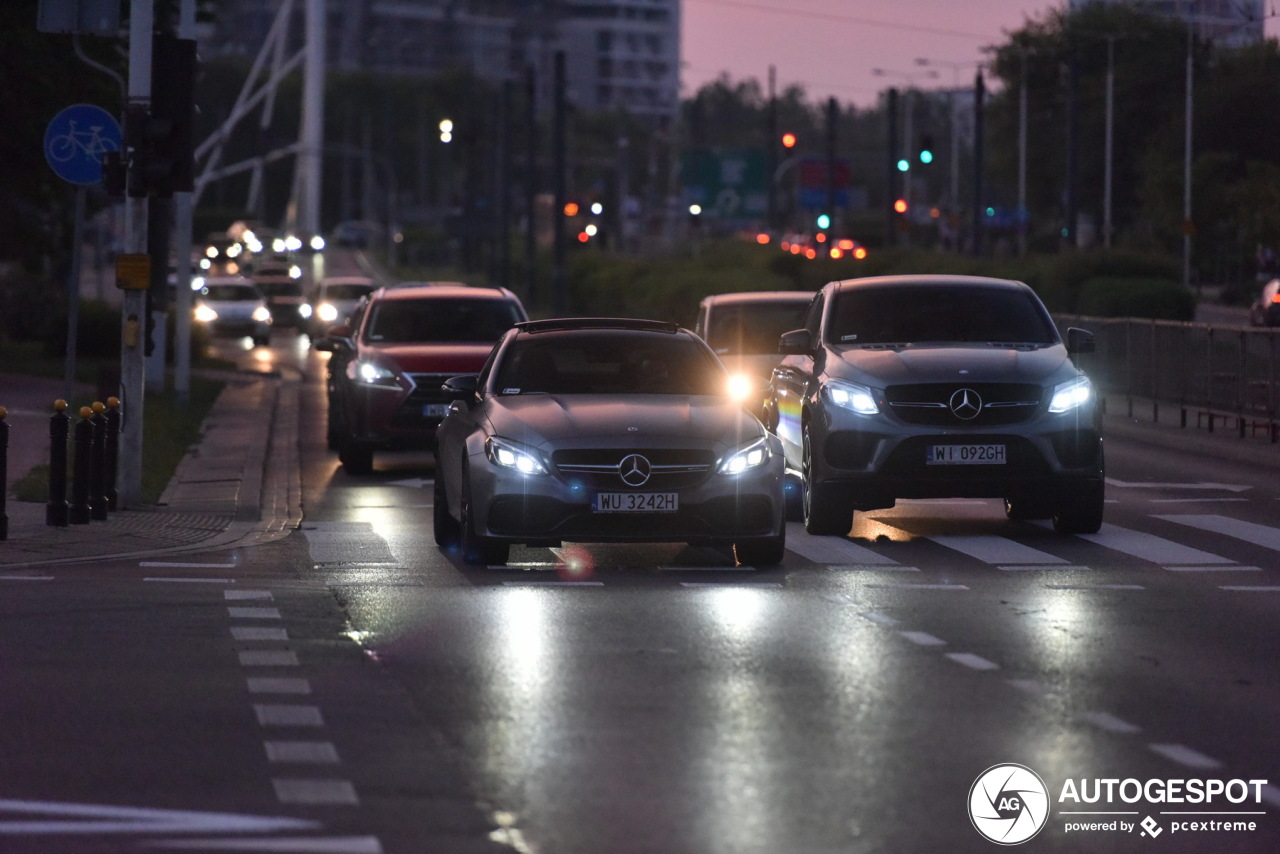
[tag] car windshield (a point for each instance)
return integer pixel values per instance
(945, 313)
(446, 320)
(753, 327)
(609, 363)
(345, 292)
(230, 293)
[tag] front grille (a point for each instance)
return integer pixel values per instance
(929, 404)
(426, 389)
(671, 468)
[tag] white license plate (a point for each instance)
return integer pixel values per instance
(965, 455)
(635, 502)
(435, 410)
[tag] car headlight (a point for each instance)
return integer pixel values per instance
(327, 312)
(744, 459)
(204, 314)
(1067, 396)
(372, 373)
(305, 310)
(262, 314)
(851, 396)
(511, 455)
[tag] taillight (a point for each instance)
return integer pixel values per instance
(1276, 297)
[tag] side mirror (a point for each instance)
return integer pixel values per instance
(1079, 341)
(797, 342)
(461, 388)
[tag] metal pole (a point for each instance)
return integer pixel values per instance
(559, 294)
(1111, 94)
(1186, 165)
(73, 295)
(1023, 216)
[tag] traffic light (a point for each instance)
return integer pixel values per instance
(904, 165)
(789, 140)
(900, 206)
(925, 154)
(823, 221)
(160, 136)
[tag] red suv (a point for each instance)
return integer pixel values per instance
(397, 349)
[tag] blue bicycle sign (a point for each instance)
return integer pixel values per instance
(76, 139)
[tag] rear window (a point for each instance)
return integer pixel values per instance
(946, 313)
(440, 320)
(752, 328)
(609, 363)
(230, 293)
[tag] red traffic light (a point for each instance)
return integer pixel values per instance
(900, 206)
(789, 140)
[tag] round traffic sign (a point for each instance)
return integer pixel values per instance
(76, 139)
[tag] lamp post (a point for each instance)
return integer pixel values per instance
(908, 108)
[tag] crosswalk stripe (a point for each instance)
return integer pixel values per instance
(831, 550)
(1250, 532)
(1150, 547)
(997, 550)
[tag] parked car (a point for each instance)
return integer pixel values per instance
(1265, 310)
(604, 430)
(743, 330)
(334, 300)
(394, 354)
(283, 290)
(233, 306)
(938, 387)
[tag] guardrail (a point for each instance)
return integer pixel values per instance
(1219, 375)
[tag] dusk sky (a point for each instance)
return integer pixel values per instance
(831, 46)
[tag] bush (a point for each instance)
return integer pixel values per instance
(1063, 276)
(1158, 299)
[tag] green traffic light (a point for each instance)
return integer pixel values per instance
(926, 156)
(824, 221)
(904, 165)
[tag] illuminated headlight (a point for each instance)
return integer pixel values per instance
(510, 455)
(262, 314)
(371, 373)
(317, 243)
(295, 272)
(752, 456)
(1067, 396)
(204, 314)
(741, 388)
(327, 312)
(850, 396)
(305, 310)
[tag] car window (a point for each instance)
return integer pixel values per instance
(753, 327)
(949, 313)
(813, 320)
(443, 320)
(609, 364)
(344, 292)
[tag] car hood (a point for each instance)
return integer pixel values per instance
(417, 358)
(951, 362)
(547, 419)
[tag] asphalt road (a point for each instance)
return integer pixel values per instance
(352, 689)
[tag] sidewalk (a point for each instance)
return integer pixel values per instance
(239, 486)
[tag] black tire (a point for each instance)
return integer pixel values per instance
(1026, 509)
(356, 458)
(1080, 509)
(821, 513)
(766, 551)
(478, 550)
(448, 532)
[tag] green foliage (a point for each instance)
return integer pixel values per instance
(1061, 278)
(1159, 299)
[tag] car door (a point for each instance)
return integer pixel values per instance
(790, 383)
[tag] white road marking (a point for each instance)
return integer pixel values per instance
(830, 550)
(26, 578)
(1095, 587)
(907, 586)
(770, 585)
(923, 638)
(1250, 532)
(257, 633)
(172, 564)
(871, 568)
(93, 819)
(1109, 722)
(278, 685)
(535, 582)
(1046, 568)
(1150, 547)
(1213, 568)
(1129, 484)
(281, 845)
(995, 550)
(879, 619)
(305, 791)
(976, 662)
(1184, 755)
(258, 595)
(312, 752)
(268, 658)
(160, 580)
(1244, 588)
(287, 715)
(254, 613)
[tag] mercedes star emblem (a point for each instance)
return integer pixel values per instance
(634, 470)
(965, 404)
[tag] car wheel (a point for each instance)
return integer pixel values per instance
(822, 515)
(1025, 509)
(357, 459)
(767, 551)
(447, 530)
(476, 549)
(1080, 509)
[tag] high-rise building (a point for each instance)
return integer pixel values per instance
(619, 54)
(1230, 23)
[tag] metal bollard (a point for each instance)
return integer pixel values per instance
(112, 452)
(97, 462)
(4, 472)
(56, 511)
(81, 509)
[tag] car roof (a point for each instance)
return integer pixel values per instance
(927, 280)
(229, 280)
(758, 296)
(439, 291)
(567, 324)
(346, 280)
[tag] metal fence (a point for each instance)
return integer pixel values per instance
(1220, 376)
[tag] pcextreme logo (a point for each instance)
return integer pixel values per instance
(1009, 804)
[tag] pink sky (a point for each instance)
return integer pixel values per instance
(831, 46)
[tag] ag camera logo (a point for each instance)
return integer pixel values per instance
(1008, 804)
